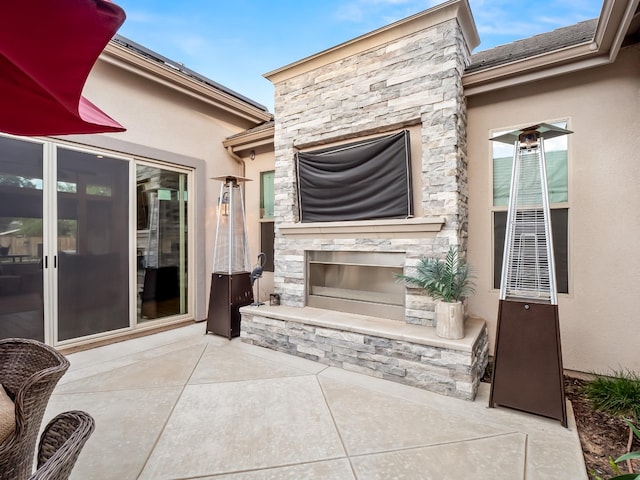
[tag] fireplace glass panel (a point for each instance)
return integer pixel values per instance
(357, 282)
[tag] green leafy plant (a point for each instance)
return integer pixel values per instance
(619, 395)
(627, 457)
(449, 279)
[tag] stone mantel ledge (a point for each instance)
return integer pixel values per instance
(396, 228)
(373, 326)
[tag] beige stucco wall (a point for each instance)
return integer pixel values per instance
(263, 162)
(167, 125)
(599, 318)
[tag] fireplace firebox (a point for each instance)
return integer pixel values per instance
(356, 282)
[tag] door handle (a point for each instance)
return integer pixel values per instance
(46, 261)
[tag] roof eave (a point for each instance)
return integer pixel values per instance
(613, 23)
(250, 139)
(527, 69)
(122, 57)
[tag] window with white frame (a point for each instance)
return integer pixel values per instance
(267, 203)
(556, 155)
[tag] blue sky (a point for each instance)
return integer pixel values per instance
(234, 42)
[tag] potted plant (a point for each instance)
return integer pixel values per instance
(448, 282)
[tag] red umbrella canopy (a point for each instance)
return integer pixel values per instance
(47, 49)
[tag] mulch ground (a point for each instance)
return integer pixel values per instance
(602, 436)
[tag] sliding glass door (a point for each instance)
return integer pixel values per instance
(21, 239)
(161, 242)
(89, 243)
(92, 244)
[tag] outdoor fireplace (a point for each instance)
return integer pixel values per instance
(356, 282)
(344, 226)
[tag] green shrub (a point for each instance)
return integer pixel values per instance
(619, 395)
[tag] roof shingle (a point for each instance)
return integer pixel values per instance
(536, 45)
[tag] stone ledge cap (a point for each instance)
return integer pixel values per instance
(374, 326)
(364, 226)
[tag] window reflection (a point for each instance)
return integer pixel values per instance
(161, 242)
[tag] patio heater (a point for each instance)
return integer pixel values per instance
(527, 372)
(231, 286)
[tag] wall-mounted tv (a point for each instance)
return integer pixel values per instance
(364, 180)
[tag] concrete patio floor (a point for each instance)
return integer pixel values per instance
(184, 405)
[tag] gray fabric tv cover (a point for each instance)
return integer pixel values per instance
(369, 179)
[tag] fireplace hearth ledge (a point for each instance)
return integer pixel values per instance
(388, 349)
(410, 226)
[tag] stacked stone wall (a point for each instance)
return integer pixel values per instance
(435, 368)
(412, 80)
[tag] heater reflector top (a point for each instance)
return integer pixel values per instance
(544, 130)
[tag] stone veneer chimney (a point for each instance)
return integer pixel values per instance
(405, 75)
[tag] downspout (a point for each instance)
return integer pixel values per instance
(238, 159)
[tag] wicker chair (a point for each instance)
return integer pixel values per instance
(29, 371)
(60, 444)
